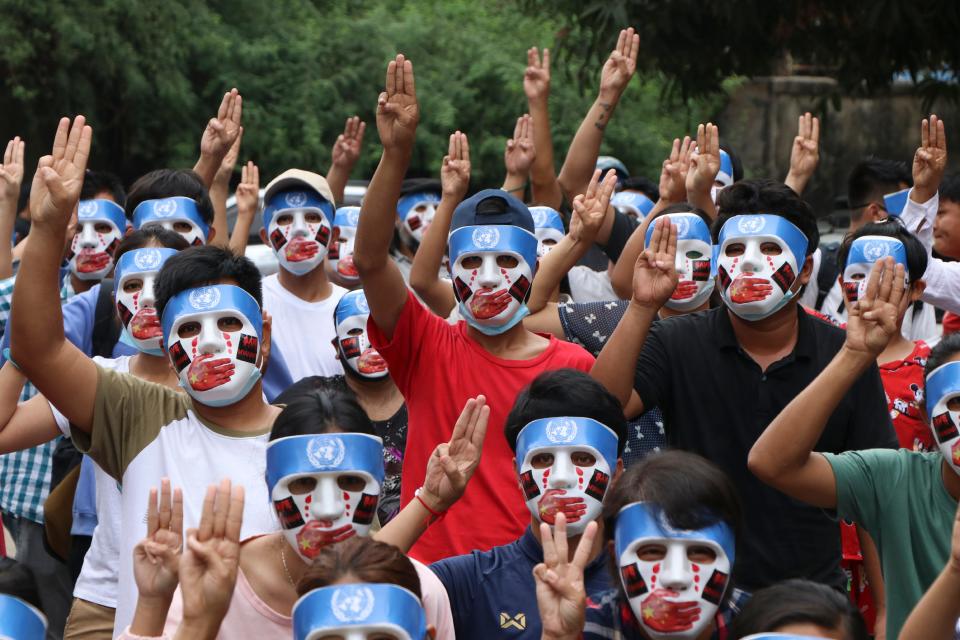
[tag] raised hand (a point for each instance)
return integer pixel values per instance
(705, 162)
(536, 78)
(561, 594)
(59, 177)
(11, 171)
(455, 171)
(223, 130)
(397, 110)
(156, 558)
(930, 160)
(248, 191)
(872, 320)
(520, 151)
(621, 65)
(590, 208)
(452, 464)
(655, 274)
(346, 150)
(673, 177)
(805, 153)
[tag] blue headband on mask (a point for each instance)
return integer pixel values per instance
(869, 249)
(567, 432)
(296, 199)
(634, 200)
(347, 217)
(353, 303)
(942, 381)
(406, 204)
(384, 606)
(20, 621)
(105, 210)
(689, 226)
(498, 238)
(326, 452)
(220, 297)
(163, 209)
(646, 520)
(763, 225)
(547, 218)
(895, 202)
(726, 169)
(148, 260)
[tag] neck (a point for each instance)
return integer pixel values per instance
(769, 335)
(951, 481)
(312, 287)
(154, 369)
(572, 541)
(511, 339)
(370, 389)
(250, 413)
(294, 564)
(897, 349)
(667, 312)
(79, 286)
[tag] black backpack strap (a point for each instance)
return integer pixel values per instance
(827, 275)
(106, 324)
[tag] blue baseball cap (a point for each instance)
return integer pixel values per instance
(491, 207)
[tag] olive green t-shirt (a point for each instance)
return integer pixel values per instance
(899, 498)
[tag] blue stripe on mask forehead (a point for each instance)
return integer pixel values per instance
(896, 201)
(638, 201)
(353, 303)
(409, 201)
(295, 199)
(220, 297)
(942, 381)
(162, 209)
(646, 520)
(20, 620)
(498, 238)
(324, 453)
(690, 226)
(359, 605)
(569, 432)
(148, 260)
(347, 217)
(869, 249)
(546, 218)
(726, 164)
(101, 209)
(765, 224)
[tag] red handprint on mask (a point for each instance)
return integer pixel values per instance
(371, 362)
(685, 289)
(747, 289)
(667, 616)
(487, 303)
(90, 261)
(345, 267)
(314, 537)
(205, 373)
(300, 249)
(552, 503)
(145, 324)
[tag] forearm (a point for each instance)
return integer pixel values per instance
(544, 187)
(553, 267)
(337, 178)
(206, 168)
(515, 183)
(197, 629)
(935, 616)
(241, 231)
(616, 364)
(11, 386)
(36, 320)
(8, 216)
(149, 616)
(796, 181)
(406, 527)
(218, 196)
(701, 199)
(375, 230)
(871, 564)
(622, 275)
(581, 160)
(425, 271)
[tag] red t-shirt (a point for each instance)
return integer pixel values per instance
(903, 385)
(951, 323)
(438, 368)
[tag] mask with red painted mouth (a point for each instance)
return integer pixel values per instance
(134, 278)
(353, 345)
(92, 249)
(693, 262)
(145, 325)
(300, 238)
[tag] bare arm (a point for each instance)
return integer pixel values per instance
(22, 425)
(935, 616)
(11, 175)
(805, 154)
(220, 134)
(518, 156)
(544, 188)
(248, 202)
(36, 321)
(345, 153)
(219, 192)
(397, 117)
(425, 272)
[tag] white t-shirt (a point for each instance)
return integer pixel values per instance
(142, 432)
(587, 285)
(303, 331)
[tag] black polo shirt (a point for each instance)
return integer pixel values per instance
(716, 402)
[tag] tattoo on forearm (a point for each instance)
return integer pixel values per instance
(604, 118)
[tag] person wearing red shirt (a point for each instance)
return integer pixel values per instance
(437, 366)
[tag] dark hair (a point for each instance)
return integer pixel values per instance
(318, 410)
(734, 161)
(95, 182)
(947, 348)
(766, 196)
(893, 228)
(642, 184)
(363, 559)
(798, 601)
(873, 178)
(565, 392)
(157, 236)
(17, 580)
(206, 265)
(168, 183)
(682, 207)
(950, 188)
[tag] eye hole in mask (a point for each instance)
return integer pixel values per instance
(346, 482)
(695, 553)
(579, 458)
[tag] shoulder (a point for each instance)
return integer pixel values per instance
(892, 465)
(573, 354)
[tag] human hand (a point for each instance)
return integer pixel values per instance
(930, 160)
(536, 78)
(455, 171)
(248, 191)
(11, 171)
(590, 208)
(223, 130)
(705, 161)
(655, 274)
(451, 465)
(59, 177)
(805, 153)
(561, 594)
(620, 66)
(397, 110)
(673, 177)
(346, 150)
(872, 319)
(520, 152)
(156, 558)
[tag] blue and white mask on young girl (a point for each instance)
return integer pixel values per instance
(299, 228)
(864, 252)
(416, 212)
(178, 214)
(758, 261)
(341, 253)
(213, 335)
(942, 396)
(100, 228)
(20, 621)
(565, 466)
(325, 488)
(548, 227)
(632, 203)
(693, 261)
(674, 579)
(492, 268)
(358, 612)
(354, 347)
(724, 176)
(134, 294)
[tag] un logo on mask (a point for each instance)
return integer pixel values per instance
(324, 453)
(683, 225)
(147, 259)
(875, 250)
(362, 305)
(485, 237)
(352, 603)
(165, 208)
(295, 199)
(204, 298)
(539, 217)
(353, 216)
(561, 430)
(751, 224)
(86, 209)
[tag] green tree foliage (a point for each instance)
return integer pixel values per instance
(149, 74)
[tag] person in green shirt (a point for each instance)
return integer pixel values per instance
(906, 500)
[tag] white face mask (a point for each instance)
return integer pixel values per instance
(942, 394)
(299, 238)
(758, 262)
(213, 337)
(187, 229)
(325, 488)
(864, 252)
(417, 211)
(341, 254)
(177, 214)
(92, 248)
(674, 580)
(135, 276)
(693, 261)
(354, 347)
